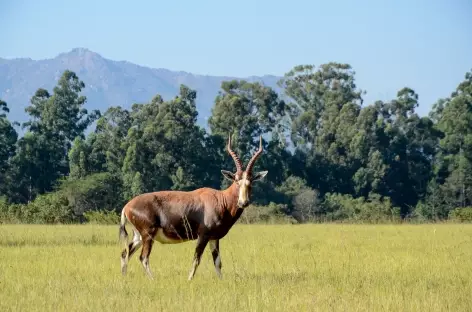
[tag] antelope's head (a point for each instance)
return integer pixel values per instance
(244, 178)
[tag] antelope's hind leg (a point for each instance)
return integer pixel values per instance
(128, 252)
(148, 241)
(215, 253)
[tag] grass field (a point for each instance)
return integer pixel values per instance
(265, 268)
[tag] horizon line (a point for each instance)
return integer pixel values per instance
(135, 64)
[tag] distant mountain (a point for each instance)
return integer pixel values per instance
(107, 82)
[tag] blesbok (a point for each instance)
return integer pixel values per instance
(204, 214)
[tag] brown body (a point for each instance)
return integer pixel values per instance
(170, 217)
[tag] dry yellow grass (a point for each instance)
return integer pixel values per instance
(265, 268)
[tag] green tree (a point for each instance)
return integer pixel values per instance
(56, 120)
(78, 161)
(324, 107)
(8, 139)
(245, 110)
(454, 159)
(167, 147)
(395, 151)
(107, 141)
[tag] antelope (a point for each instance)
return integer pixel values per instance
(205, 215)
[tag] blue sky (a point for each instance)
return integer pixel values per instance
(425, 45)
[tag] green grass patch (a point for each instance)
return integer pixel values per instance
(324, 267)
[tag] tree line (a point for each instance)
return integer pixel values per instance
(330, 157)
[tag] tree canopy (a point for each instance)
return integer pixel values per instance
(330, 156)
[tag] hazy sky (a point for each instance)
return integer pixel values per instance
(426, 45)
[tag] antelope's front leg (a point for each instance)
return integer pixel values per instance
(215, 253)
(202, 241)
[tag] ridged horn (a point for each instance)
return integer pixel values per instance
(236, 159)
(250, 164)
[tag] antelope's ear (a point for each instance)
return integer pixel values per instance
(258, 176)
(228, 175)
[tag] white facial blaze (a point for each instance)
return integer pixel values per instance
(243, 186)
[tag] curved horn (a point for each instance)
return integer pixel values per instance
(237, 161)
(254, 157)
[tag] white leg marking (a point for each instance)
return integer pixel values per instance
(135, 244)
(194, 267)
(137, 240)
(123, 266)
(217, 261)
(145, 263)
(136, 236)
(218, 266)
(199, 249)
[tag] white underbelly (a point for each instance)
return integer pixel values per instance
(163, 239)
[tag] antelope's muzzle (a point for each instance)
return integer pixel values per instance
(243, 203)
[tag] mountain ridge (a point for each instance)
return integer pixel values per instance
(107, 82)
